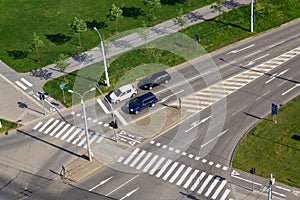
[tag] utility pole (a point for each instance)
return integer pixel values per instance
(272, 181)
(251, 17)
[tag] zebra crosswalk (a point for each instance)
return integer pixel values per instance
(67, 132)
(23, 83)
(205, 184)
(204, 98)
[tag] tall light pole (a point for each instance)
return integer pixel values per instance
(251, 17)
(104, 59)
(84, 119)
(112, 111)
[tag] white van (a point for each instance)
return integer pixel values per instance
(122, 93)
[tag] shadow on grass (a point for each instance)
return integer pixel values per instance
(272, 141)
(17, 54)
(132, 12)
(257, 117)
(58, 38)
(171, 2)
(296, 137)
(229, 24)
(94, 23)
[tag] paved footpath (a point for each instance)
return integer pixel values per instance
(32, 82)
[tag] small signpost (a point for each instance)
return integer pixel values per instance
(197, 36)
(62, 87)
(274, 111)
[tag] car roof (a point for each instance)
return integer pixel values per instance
(146, 96)
(126, 87)
(161, 73)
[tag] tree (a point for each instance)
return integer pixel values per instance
(115, 14)
(78, 26)
(62, 63)
(152, 5)
(144, 33)
(35, 45)
(217, 7)
(180, 20)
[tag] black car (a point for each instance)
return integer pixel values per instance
(153, 80)
(142, 102)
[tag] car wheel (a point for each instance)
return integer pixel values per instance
(150, 87)
(118, 101)
(136, 112)
(133, 95)
(152, 105)
(166, 81)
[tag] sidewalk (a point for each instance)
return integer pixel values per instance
(38, 78)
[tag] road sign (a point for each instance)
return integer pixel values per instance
(274, 109)
(62, 86)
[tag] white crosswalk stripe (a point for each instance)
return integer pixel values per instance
(57, 128)
(173, 171)
(67, 133)
(74, 134)
(206, 97)
(51, 127)
(46, 124)
(62, 130)
(225, 194)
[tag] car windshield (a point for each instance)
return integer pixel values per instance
(136, 101)
(117, 92)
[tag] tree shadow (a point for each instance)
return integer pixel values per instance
(229, 24)
(171, 2)
(17, 54)
(58, 38)
(94, 23)
(296, 137)
(132, 12)
(41, 73)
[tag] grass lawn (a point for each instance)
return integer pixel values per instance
(214, 34)
(50, 20)
(7, 125)
(274, 148)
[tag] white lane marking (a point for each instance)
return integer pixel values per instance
(217, 192)
(119, 116)
(239, 110)
(262, 96)
(79, 137)
(212, 186)
(218, 165)
(144, 160)
(131, 156)
(196, 183)
(21, 85)
(103, 106)
(81, 142)
(298, 84)
(211, 163)
(37, 126)
(282, 188)
(57, 128)
(67, 133)
(101, 183)
(196, 123)
(277, 193)
(230, 63)
(166, 176)
(242, 49)
(130, 193)
(51, 127)
(261, 57)
(190, 179)
(26, 82)
(203, 186)
(246, 180)
(225, 168)
(252, 54)
(157, 165)
(177, 173)
(187, 171)
(73, 135)
(150, 163)
(122, 185)
(120, 159)
(137, 158)
(72, 113)
(163, 168)
(225, 194)
(46, 124)
(203, 145)
(276, 44)
(62, 130)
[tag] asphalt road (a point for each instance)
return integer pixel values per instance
(202, 143)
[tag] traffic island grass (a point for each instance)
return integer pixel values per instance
(273, 148)
(7, 125)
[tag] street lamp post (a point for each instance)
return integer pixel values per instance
(112, 111)
(84, 119)
(104, 59)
